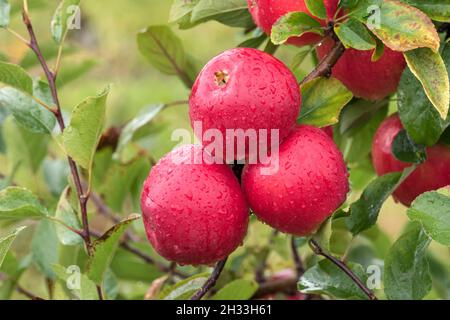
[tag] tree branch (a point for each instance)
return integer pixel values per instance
(319, 251)
(211, 282)
(324, 68)
(28, 294)
(51, 78)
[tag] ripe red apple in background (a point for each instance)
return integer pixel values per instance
(329, 131)
(245, 88)
(266, 12)
(311, 183)
(433, 174)
(193, 213)
(367, 79)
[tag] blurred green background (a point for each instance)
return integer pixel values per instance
(105, 52)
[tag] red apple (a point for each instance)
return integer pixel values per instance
(433, 174)
(310, 184)
(266, 12)
(194, 213)
(245, 89)
(364, 78)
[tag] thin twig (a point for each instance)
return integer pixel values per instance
(297, 259)
(145, 257)
(27, 293)
(51, 77)
(58, 60)
(211, 282)
(18, 36)
(319, 251)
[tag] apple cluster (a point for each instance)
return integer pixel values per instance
(197, 212)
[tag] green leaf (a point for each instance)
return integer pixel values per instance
(406, 272)
(105, 248)
(67, 214)
(294, 24)
(19, 203)
(402, 27)
(14, 269)
(73, 72)
(299, 58)
(27, 112)
(5, 8)
(348, 4)
(357, 113)
(406, 150)
(82, 136)
(431, 71)
(6, 241)
(233, 13)
(322, 101)
(432, 210)
(356, 142)
(379, 50)
(127, 266)
(164, 50)
(56, 173)
(240, 289)
(419, 117)
(440, 277)
(341, 238)
(438, 10)
(145, 116)
(25, 147)
(62, 18)
(317, 8)
(326, 278)
(445, 137)
(180, 9)
(255, 42)
(44, 247)
(364, 212)
(16, 77)
(184, 289)
(117, 184)
(7, 181)
(76, 281)
(3, 116)
(323, 235)
(354, 34)
(111, 285)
